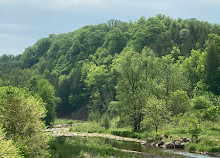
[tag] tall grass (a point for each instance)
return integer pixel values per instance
(75, 147)
(209, 138)
(89, 127)
(60, 121)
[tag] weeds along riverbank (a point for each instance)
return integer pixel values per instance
(208, 140)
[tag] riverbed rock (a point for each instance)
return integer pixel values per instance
(146, 144)
(165, 136)
(168, 145)
(150, 141)
(178, 144)
(160, 143)
(174, 144)
(153, 144)
(185, 140)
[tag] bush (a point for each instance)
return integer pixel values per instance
(204, 144)
(105, 121)
(70, 147)
(65, 121)
(190, 123)
(126, 134)
(191, 146)
(215, 149)
(21, 116)
(90, 127)
(7, 148)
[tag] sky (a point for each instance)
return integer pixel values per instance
(23, 22)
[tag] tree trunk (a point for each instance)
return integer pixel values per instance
(137, 122)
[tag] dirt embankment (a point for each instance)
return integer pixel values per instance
(71, 134)
(63, 130)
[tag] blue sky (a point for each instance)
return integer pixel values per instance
(23, 22)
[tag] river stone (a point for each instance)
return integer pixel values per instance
(165, 136)
(146, 144)
(160, 143)
(185, 140)
(150, 141)
(168, 145)
(179, 145)
(153, 144)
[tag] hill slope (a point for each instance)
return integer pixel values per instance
(81, 64)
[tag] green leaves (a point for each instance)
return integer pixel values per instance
(46, 91)
(130, 86)
(115, 41)
(178, 102)
(155, 112)
(7, 147)
(191, 124)
(21, 116)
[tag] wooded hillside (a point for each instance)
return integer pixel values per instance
(146, 71)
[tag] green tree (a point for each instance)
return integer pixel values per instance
(156, 112)
(21, 116)
(19, 77)
(115, 41)
(95, 107)
(131, 87)
(178, 102)
(63, 91)
(212, 64)
(194, 67)
(46, 91)
(1, 82)
(201, 102)
(213, 113)
(8, 148)
(105, 121)
(191, 123)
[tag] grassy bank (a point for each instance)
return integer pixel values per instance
(60, 121)
(69, 147)
(207, 141)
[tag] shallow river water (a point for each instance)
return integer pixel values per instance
(152, 150)
(98, 145)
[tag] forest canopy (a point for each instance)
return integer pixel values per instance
(125, 70)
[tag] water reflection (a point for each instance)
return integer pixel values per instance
(68, 147)
(152, 150)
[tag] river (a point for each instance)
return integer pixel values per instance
(104, 147)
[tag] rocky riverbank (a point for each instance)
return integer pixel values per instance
(160, 142)
(166, 143)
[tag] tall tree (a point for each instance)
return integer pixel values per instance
(7, 147)
(46, 91)
(21, 116)
(156, 112)
(130, 87)
(212, 63)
